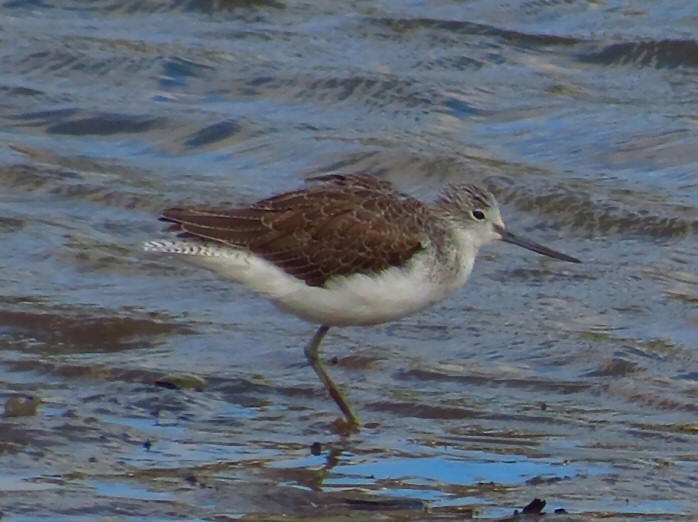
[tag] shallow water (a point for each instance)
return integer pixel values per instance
(572, 383)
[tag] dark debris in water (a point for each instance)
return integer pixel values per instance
(387, 504)
(181, 381)
(534, 511)
(22, 406)
(536, 506)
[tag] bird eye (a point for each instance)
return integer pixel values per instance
(479, 215)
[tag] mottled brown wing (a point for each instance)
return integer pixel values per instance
(340, 226)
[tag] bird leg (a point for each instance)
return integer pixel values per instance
(312, 354)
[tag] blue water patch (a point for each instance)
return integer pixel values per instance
(120, 490)
(479, 468)
(420, 472)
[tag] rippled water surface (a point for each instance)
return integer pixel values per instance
(577, 384)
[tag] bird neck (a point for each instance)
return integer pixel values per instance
(450, 260)
(466, 248)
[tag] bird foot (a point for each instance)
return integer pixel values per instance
(344, 427)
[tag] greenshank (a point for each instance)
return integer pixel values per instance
(345, 250)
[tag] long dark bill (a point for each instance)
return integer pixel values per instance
(508, 237)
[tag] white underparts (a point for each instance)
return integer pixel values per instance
(356, 300)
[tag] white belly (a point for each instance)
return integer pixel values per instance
(357, 300)
(363, 300)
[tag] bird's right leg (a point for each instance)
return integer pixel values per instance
(312, 354)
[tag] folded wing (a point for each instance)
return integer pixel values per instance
(337, 226)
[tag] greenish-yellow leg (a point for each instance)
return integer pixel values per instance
(312, 353)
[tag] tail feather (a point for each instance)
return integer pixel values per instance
(185, 248)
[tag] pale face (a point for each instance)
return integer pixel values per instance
(476, 212)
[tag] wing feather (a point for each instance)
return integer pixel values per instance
(336, 226)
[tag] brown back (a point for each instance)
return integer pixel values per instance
(336, 226)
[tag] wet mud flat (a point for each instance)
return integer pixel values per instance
(111, 433)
